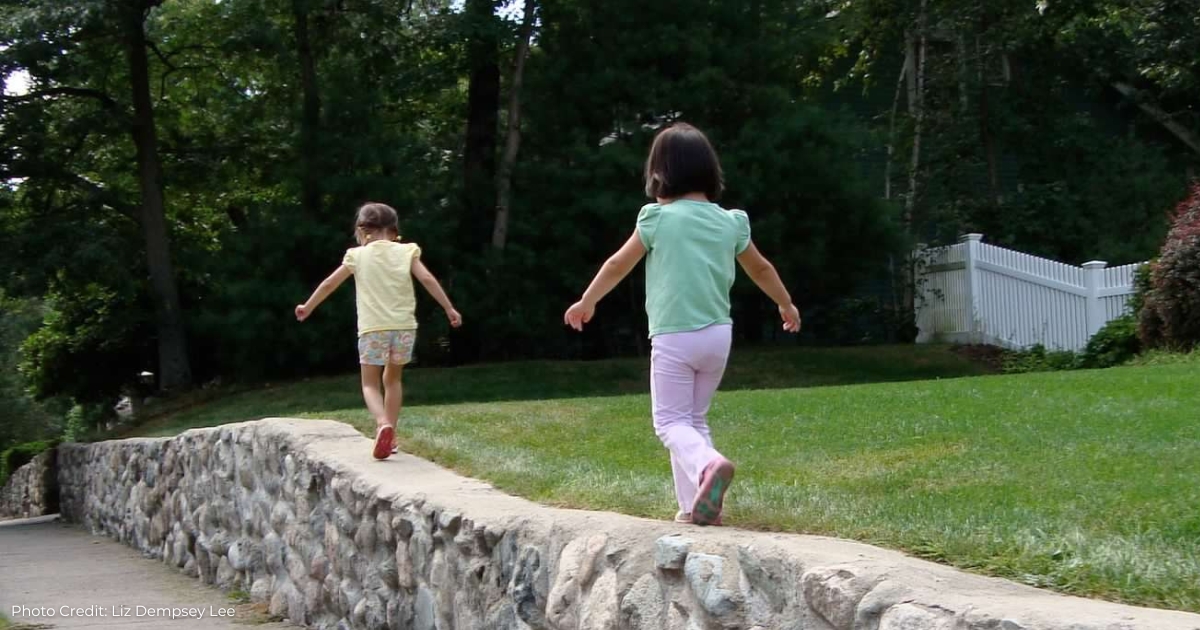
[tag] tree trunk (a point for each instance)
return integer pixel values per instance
(512, 143)
(174, 369)
(916, 107)
(896, 280)
(483, 105)
(310, 118)
(891, 143)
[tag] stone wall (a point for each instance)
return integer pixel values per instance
(31, 490)
(297, 514)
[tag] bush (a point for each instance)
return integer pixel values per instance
(1039, 359)
(17, 456)
(1166, 357)
(1142, 283)
(1170, 316)
(1114, 344)
(92, 342)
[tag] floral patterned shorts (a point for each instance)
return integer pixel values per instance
(386, 346)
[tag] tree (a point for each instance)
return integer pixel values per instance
(483, 107)
(512, 141)
(1145, 51)
(175, 371)
(1005, 86)
(310, 119)
(93, 35)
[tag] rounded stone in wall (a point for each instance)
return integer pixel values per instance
(383, 526)
(314, 597)
(399, 613)
(365, 536)
(358, 618)
(644, 605)
(260, 591)
(281, 516)
(226, 574)
(273, 553)
(345, 521)
(349, 595)
(375, 613)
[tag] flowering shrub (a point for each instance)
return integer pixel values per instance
(1170, 316)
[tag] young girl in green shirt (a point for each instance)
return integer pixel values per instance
(690, 244)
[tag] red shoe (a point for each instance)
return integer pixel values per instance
(383, 442)
(710, 499)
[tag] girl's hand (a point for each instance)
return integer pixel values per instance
(791, 318)
(302, 312)
(579, 314)
(454, 317)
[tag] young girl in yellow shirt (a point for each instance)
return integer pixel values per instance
(383, 269)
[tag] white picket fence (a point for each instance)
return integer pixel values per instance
(973, 292)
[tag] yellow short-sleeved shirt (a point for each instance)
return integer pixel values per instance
(383, 285)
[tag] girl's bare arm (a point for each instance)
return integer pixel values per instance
(431, 284)
(327, 286)
(763, 273)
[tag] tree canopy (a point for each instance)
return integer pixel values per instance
(178, 173)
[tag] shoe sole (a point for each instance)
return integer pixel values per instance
(711, 497)
(383, 443)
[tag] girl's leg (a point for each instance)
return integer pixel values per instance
(710, 368)
(372, 377)
(400, 353)
(672, 388)
(393, 396)
(372, 356)
(685, 488)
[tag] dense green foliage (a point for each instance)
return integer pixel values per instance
(18, 455)
(23, 418)
(1061, 131)
(1115, 344)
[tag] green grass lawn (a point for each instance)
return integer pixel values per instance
(1084, 482)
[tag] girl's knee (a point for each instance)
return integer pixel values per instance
(393, 372)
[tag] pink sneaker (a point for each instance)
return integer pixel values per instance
(710, 499)
(383, 442)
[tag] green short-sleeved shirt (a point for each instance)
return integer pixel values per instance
(691, 252)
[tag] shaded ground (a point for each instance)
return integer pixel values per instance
(47, 564)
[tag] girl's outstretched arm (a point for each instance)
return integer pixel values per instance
(763, 273)
(610, 275)
(327, 286)
(431, 284)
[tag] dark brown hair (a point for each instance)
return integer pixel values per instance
(682, 161)
(377, 216)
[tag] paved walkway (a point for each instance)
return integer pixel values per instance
(47, 564)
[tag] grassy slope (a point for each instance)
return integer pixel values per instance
(1083, 481)
(542, 380)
